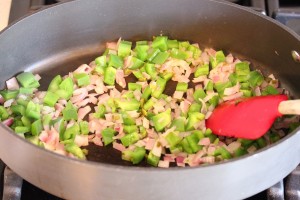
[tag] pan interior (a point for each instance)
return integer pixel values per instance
(78, 36)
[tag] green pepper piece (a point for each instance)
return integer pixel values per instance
(162, 120)
(159, 87)
(83, 79)
(54, 84)
(128, 105)
(160, 42)
(23, 90)
(240, 152)
(242, 68)
(115, 61)
(130, 128)
(127, 119)
(182, 87)
(34, 140)
(149, 104)
(166, 75)
(141, 51)
(71, 132)
(26, 79)
(246, 93)
(130, 138)
(3, 113)
(46, 120)
(199, 134)
(138, 74)
(160, 57)
(172, 44)
(18, 109)
(173, 139)
(138, 155)
(152, 54)
(101, 61)
(152, 159)
(26, 121)
(9, 94)
(34, 84)
(184, 45)
(270, 90)
(124, 48)
(22, 129)
(36, 127)
(75, 150)
(193, 141)
(193, 119)
(179, 123)
(60, 125)
(223, 152)
(214, 100)
(50, 99)
(136, 63)
(22, 102)
(219, 57)
(233, 78)
(33, 110)
(67, 86)
(186, 146)
(107, 135)
(196, 51)
(261, 142)
(220, 87)
(209, 86)
(101, 110)
(178, 54)
(70, 112)
(84, 127)
(110, 76)
(202, 70)
(134, 86)
(199, 94)
(151, 70)
(195, 107)
(147, 93)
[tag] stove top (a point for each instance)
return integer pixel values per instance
(287, 12)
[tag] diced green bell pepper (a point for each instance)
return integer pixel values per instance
(130, 138)
(107, 135)
(162, 120)
(75, 150)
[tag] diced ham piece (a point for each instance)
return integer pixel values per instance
(8, 103)
(97, 141)
(82, 112)
(163, 164)
(81, 140)
(118, 146)
(233, 96)
(157, 149)
(12, 84)
(178, 94)
(149, 143)
(120, 78)
(232, 90)
(8, 122)
(204, 142)
(84, 68)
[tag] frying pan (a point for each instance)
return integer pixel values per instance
(58, 39)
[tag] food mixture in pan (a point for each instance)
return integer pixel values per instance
(145, 119)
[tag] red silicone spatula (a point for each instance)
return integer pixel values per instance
(250, 118)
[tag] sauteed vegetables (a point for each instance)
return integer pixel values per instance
(145, 119)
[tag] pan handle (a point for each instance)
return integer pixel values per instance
(12, 185)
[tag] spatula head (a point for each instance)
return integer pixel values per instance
(248, 118)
